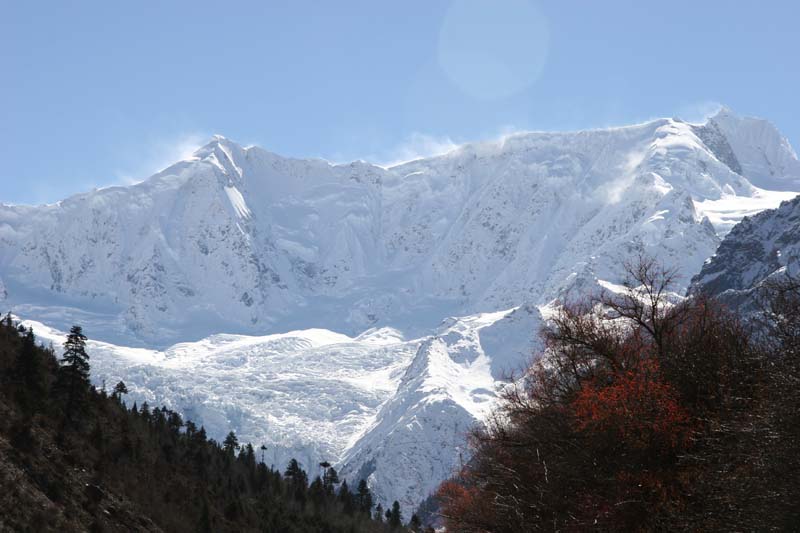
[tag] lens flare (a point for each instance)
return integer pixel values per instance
(493, 50)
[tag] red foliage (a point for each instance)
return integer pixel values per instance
(465, 508)
(640, 415)
(636, 406)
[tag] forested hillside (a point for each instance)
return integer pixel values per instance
(74, 458)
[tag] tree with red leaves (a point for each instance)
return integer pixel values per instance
(643, 413)
(635, 408)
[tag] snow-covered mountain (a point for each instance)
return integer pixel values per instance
(241, 240)
(225, 252)
(758, 248)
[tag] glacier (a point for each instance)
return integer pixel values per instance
(364, 315)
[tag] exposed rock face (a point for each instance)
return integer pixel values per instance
(759, 247)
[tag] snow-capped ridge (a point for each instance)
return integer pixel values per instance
(276, 231)
(207, 264)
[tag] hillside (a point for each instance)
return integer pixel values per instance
(99, 466)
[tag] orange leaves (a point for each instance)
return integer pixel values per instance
(636, 406)
(464, 507)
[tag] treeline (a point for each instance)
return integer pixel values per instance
(75, 458)
(645, 414)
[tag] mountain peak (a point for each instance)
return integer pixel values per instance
(767, 159)
(215, 141)
(723, 111)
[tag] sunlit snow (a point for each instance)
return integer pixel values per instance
(409, 293)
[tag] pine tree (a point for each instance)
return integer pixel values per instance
(316, 492)
(378, 513)
(248, 457)
(394, 516)
(230, 444)
(174, 422)
(292, 469)
(415, 524)
(73, 374)
(75, 357)
(364, 497)
(346, 498)
(330, 479)
(120, 389)
(298, 480)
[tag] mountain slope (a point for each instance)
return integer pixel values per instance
(205, 266)
(758, 248)
(292, 244)
(374, 405)
(89, 463)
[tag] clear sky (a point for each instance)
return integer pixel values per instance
(100, 93)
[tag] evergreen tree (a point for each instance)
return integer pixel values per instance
(248, 456)
(120, 389)
(364, 497)
(378, 513)
(73, 374)
(298, 481)
(174, 422)
(415, 524)
(346, 498)
(394, 516)
(75, 358)
(230, 444)
(293, 470)
(316, 492)
(330, 479)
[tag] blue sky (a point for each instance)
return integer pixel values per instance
(100, 93)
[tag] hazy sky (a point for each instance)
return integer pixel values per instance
(100, 93)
